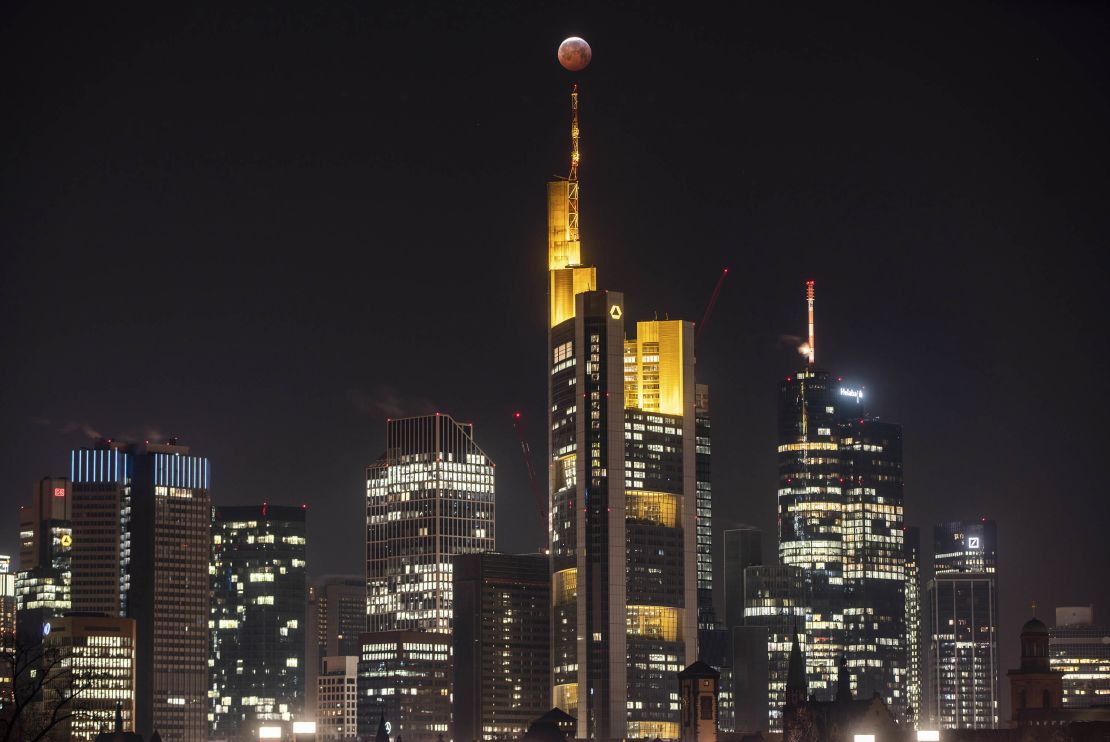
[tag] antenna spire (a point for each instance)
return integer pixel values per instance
(572, 179)
(809, 301)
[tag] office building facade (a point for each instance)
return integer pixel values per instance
(811, 515)
(7, 630)
(911, 546)
(623, 495)
(93, 675)
(501, 635)
(961, 680)
(45, 548)
(429, 497)
(874, 558)
(1080, 649)
(141, 518)
(776, 602)
(703, 457)
(404, 677)
(840, 505)
(337, 699)
(336, 616)
(257, 625)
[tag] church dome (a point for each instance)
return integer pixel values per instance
(1034, 626)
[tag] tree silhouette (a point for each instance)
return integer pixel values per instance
(44, 691)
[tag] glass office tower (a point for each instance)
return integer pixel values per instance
(429, 497)
(623, 495)
(811, 515)
(962, 636)
(874, 559)
(141, 544)
(42, 585)
(776, 601)
(911, 543)
(257, 626)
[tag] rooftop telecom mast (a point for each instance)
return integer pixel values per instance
(572, 179)
(809, 300)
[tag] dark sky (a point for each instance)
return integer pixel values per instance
(265, 229)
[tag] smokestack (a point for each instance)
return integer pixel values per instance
(809, 301)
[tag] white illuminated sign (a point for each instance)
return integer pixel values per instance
(853, 393)
(46, 629)
(269, 732)
(973, 542)
(304, 727)
(928, 735)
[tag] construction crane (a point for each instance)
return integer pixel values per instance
(709, 307)
(526, 452)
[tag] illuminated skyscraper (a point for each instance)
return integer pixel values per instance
(405, 676)
(914, 661)
(429, 497)
(811, 514)
(141, 542)
(336, 616)
(776, 603)
(1080, 649)
(703, 430)
(95, 665)
(7, 627)
(257, 626)
(623, 495)
(42, 584)
(840, 518)
(874, 559)
(962, 636)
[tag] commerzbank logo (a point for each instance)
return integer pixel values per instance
(615, 311)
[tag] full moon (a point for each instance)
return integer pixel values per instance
(575, 54)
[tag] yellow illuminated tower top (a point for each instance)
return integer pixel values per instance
(568, 277)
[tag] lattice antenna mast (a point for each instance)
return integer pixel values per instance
(809, 301)
(572, 207)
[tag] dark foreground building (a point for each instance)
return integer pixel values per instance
(502, 662)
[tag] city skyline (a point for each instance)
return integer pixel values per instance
(886, 318)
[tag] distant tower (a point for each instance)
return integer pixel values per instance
(962, 636)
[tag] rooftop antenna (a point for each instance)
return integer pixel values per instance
(809, 301)
(572, 179)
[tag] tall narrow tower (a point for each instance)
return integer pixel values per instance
(623, 497)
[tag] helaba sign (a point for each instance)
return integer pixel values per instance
(853, 393)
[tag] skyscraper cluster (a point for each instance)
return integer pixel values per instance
(138, 602)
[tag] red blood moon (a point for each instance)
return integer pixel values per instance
(575, 54)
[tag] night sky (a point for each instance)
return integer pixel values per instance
(266, 229)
